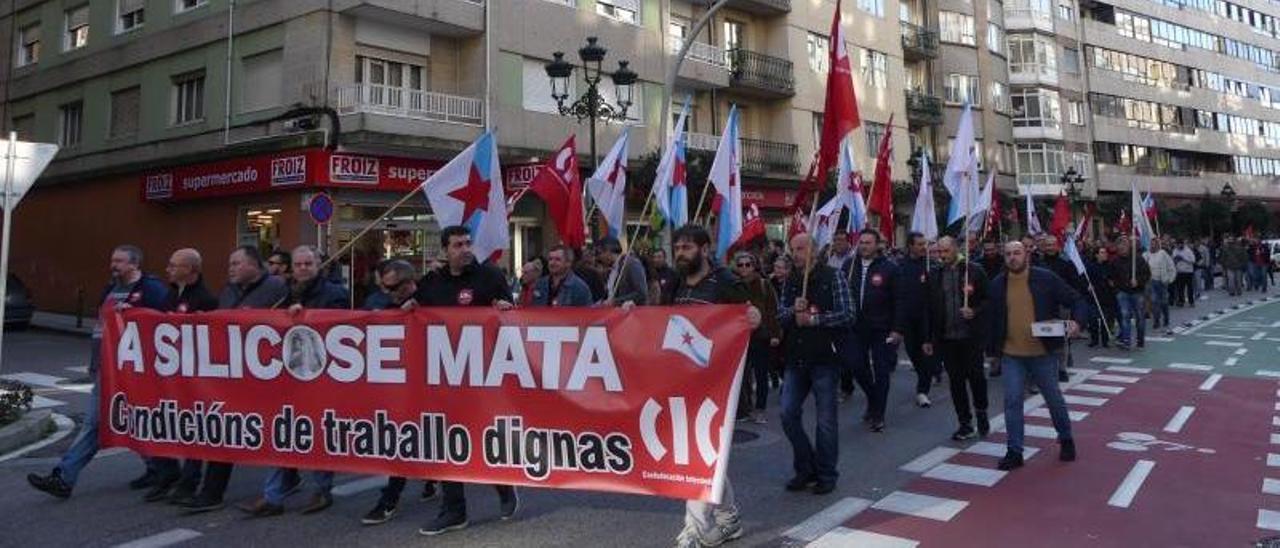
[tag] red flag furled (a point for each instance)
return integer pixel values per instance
(810, 188)
(881, 199)
(1084, 229)
(559, 184)
(752, 229)
(993, 217)
(841, 108)
(1124, 226)
(1061, 218)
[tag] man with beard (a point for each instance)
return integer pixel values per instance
(129, 287)
(872, 347)
(957, 334)
(912, 282)
(701, 282)
(992, 262)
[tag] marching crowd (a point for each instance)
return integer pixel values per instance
(825, 321)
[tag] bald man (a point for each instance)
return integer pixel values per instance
(956, 330)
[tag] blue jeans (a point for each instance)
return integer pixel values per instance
(85, 446)
(816, 461)
(1159, 292)
(1130, 305)
(274, 491)
(1042, 370)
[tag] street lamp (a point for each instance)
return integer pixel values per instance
(1073, 183)
(591, 105)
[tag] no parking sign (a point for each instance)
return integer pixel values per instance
(321, 208)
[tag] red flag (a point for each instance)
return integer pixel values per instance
(881, 201)
(1249, 232)
(841, 106)
(1085, 228)
(559, 184)
(993, 217)
(797, 225)
(1061, 218)
(752, 229)
(1124, 226)
(809, 189)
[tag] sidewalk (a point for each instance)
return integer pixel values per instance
(64, 323)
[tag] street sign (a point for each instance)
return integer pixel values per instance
(321, 208)
(23, 163)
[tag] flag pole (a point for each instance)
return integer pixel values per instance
(1102, 317)
(808, 263)
(630, 238)
(697, 213)
(967, 210)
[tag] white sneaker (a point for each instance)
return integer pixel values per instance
(688, 538)
(727, 528)
(922, 400)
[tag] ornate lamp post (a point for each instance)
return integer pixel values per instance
(1074, 186)
(590, 105)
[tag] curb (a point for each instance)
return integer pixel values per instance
(27, 430)
(59, 427)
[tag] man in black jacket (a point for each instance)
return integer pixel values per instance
(957, 334)
(1051, 258)
(872, 346)
(912, 283)
(464, 282)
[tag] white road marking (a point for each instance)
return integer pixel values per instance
(1084, 400)
(1109, 359)
(1037, 431)
(1212, 381)
(1269, 519)
(1275, 421)
(1275, 324)
(1273, 339)
(1218, 336)
(1273, 460)
(920, 506)
(1258, 336)
(1115, 378)
(1179, 419)
(928, 460)
(1159, 339)
(991, 449)
(1224, 343)
(47, 381)
(1267, 373)
(167, 538)
(843, 537)
(81, 369)
(41, 402)
(822, 522)
(357, 486)
(1076, 416)
(1191, 366)
(970, 475)
(1098, 388)
(1270, 486)
(1128, 489)
(1230, 361)
(1123, 369)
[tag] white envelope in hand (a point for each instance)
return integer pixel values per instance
(1055, 328)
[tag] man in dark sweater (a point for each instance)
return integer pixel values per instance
(912, 284)
(957, 330)
(1129, 278)
(872, 347)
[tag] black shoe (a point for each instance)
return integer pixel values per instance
(182, 495)
(965, 432)
(267, 510)
(800, 483)
(509, 505)
(823, 487)
(204, 503)
(1063, 376)
(877, 425)
(443, 524)
(51, 484)
(1010, 461)
(380, 514)
(157, 493)
(1067, 453)
(984, 425)
(429, 491)
(148, 479)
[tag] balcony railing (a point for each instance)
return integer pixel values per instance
(701, 141)
(762, 72)
(918, 42)
(922, 109)
(1166, 171)
(410, 103)
(699, 51)
(759, 157)
(763, 6)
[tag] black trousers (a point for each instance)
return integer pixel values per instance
(455, 497)
(963, 360)
(1183, 289)
(216, 477)
(926, 366)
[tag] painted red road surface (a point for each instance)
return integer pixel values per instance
(1190, 498)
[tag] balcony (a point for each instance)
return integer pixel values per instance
(410, 104)
(704, 67)
(761, 75)
(759, 157)
(1028, 19)
(923, 109)
(762, 7)
(918, 43)
(439, 17)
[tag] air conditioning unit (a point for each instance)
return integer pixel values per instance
(301, 124)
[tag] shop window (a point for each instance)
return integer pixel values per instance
(259, 226)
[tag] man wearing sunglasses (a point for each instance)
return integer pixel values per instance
(755, 386)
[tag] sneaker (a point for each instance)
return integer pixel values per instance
(157, 493)
(688, 538)
(1033, 389)
(380, 514)
(984, 425)
(429, 491)
(800, 483)
(146, 480)
(1063, 376)
(318, 503)
(965, 432)
(1010, 461)
(509, 505)
(182, 494)
(203, 503)
(51, 484)
(1067, 453)
(877, 425)
(443, 524)
(922, 400)
(724, 531)
(823, 487)
(267, 510)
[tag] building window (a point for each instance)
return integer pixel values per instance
(961, 89)
(999, 97)
(956, 28)
(875, 133)
(1033, 9)
(733, 35)
(873, 7)
(1066, 10)
(1005, 162)
(817, 129)
(1039, 163)
(76, 35)
(1075, 113)
(536, 88)
(25, 127)
(389, 83)
(875, 68)
(70, 120)
(1036, 108)
(819, 48)
(995, 39)
(1071, 60)
(626, 11)
(130, 14)
(262, 83)
(1032, 54)
(188, 5)
(126, 105)
(29, 45)
(188, 98)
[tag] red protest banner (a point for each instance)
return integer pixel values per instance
(635, 402)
